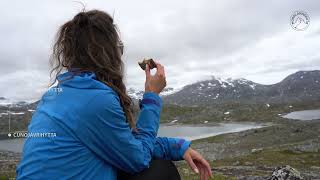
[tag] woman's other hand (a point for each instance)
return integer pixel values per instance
(157, 82)
(198, 164)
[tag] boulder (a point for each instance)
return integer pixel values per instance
(285, 173)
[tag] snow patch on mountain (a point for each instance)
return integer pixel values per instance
(137, 94)
(14, 103)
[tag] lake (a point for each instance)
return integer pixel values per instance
(198, 132)
(304, 115)
(183, 131)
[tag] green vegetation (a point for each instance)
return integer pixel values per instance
(263, 162)
(237, 112)
(8, 175)
(176, 112)
(213, 139)
(274, 158)
(187, 174)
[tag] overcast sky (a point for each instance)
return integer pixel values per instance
(194, 40)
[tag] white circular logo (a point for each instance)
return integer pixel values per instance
(299, 20)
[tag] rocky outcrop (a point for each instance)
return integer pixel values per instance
(285, 173)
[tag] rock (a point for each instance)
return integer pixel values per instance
(251, 178)
(298, 130)
(248, 163)
(285, 173)
(256, 150)
(236, 163)
(315, 167)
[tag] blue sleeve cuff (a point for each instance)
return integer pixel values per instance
(151, 98)
(184, 145)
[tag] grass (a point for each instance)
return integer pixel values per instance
(212, 139)
(274, 158)
(8, 175)
(215, 177)
(187, 174)
(265, 158)
(237, 112)
(176, 112)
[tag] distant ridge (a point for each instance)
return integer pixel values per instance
(300, 86)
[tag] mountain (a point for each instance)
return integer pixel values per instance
(137, 94)
(6, 104)
(300, 86)
(303, 85)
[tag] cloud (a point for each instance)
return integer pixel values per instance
(26, 85)
(192, 39)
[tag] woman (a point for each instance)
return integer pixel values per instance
(90, 114)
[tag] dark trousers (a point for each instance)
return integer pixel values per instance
(158, 170)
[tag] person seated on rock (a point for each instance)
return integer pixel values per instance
(90, 114)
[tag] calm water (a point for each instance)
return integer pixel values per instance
(198, 132)
(187, 132)
(304, 115)
(14, 144)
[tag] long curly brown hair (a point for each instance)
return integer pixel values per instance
(91, 42)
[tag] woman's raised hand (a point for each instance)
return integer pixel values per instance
(157, 82)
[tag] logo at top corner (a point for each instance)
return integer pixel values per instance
(300, 21)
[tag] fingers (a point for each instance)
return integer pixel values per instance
(160, 70)
(207, 175)
(191, 164)
(202, 173)
(206, 165)
(163, 71)
(147, 70)
(155, 82)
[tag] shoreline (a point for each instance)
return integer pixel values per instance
(250, 153)
(177, 125)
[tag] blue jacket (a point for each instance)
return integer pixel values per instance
(90, 138)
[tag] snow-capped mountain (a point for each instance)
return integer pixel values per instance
(13, 103)
(300, 86)
(15, 108)
(137, 94)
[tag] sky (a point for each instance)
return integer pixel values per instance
(194, 40)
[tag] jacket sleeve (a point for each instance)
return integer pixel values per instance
(170, 148)
(107, 134)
